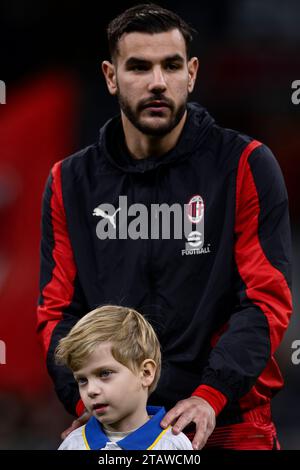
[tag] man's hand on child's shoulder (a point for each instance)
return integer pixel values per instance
(192, 410)
(80, 421)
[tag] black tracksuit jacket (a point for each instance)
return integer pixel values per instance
(220, 310)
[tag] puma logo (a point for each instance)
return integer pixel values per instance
(111, 218)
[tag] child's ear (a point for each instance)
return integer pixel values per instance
(147, 372)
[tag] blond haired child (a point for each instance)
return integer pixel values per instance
(115, 357)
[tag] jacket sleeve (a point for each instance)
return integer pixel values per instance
(61, 301)
(262, 253)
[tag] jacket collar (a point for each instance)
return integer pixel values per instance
(141, 439)
(112, 142)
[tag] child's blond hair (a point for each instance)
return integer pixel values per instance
(133, 339)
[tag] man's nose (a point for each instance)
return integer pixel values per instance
(158, 81)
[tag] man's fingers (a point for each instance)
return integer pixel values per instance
(65, 433)
(83, 419)
(168, 421)
(203, 431)
(199, 440)
(71, 428)
(80, 421)
(191, 410)
(171, 416)
(181, 423)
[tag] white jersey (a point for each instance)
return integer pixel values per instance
(147, 437)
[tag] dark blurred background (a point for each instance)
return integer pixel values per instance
(56, 100)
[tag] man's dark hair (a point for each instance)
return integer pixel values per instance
(147, 18)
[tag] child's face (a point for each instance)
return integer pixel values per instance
(115, 395)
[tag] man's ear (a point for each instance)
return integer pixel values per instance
(147, 372)
(193, 65)
(109, 71)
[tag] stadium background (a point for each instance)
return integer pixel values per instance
(50, 56)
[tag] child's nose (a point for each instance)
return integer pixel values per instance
(94, 388)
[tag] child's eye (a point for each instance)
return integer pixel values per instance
(81, 381)
(105, 374)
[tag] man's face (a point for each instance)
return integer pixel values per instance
(152, 80)
(113, 393)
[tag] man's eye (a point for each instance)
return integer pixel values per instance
(139, 68)
(173, 66)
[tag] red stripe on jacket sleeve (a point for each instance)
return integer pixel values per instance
(265, 285)
(58, 293)
(214, 397)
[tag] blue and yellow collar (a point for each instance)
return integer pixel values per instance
(143, 438)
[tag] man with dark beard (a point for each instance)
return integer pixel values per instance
(219, 299)
(152, 76)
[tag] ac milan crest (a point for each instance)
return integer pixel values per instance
(195, 209)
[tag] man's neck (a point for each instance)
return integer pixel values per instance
(142, 146)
